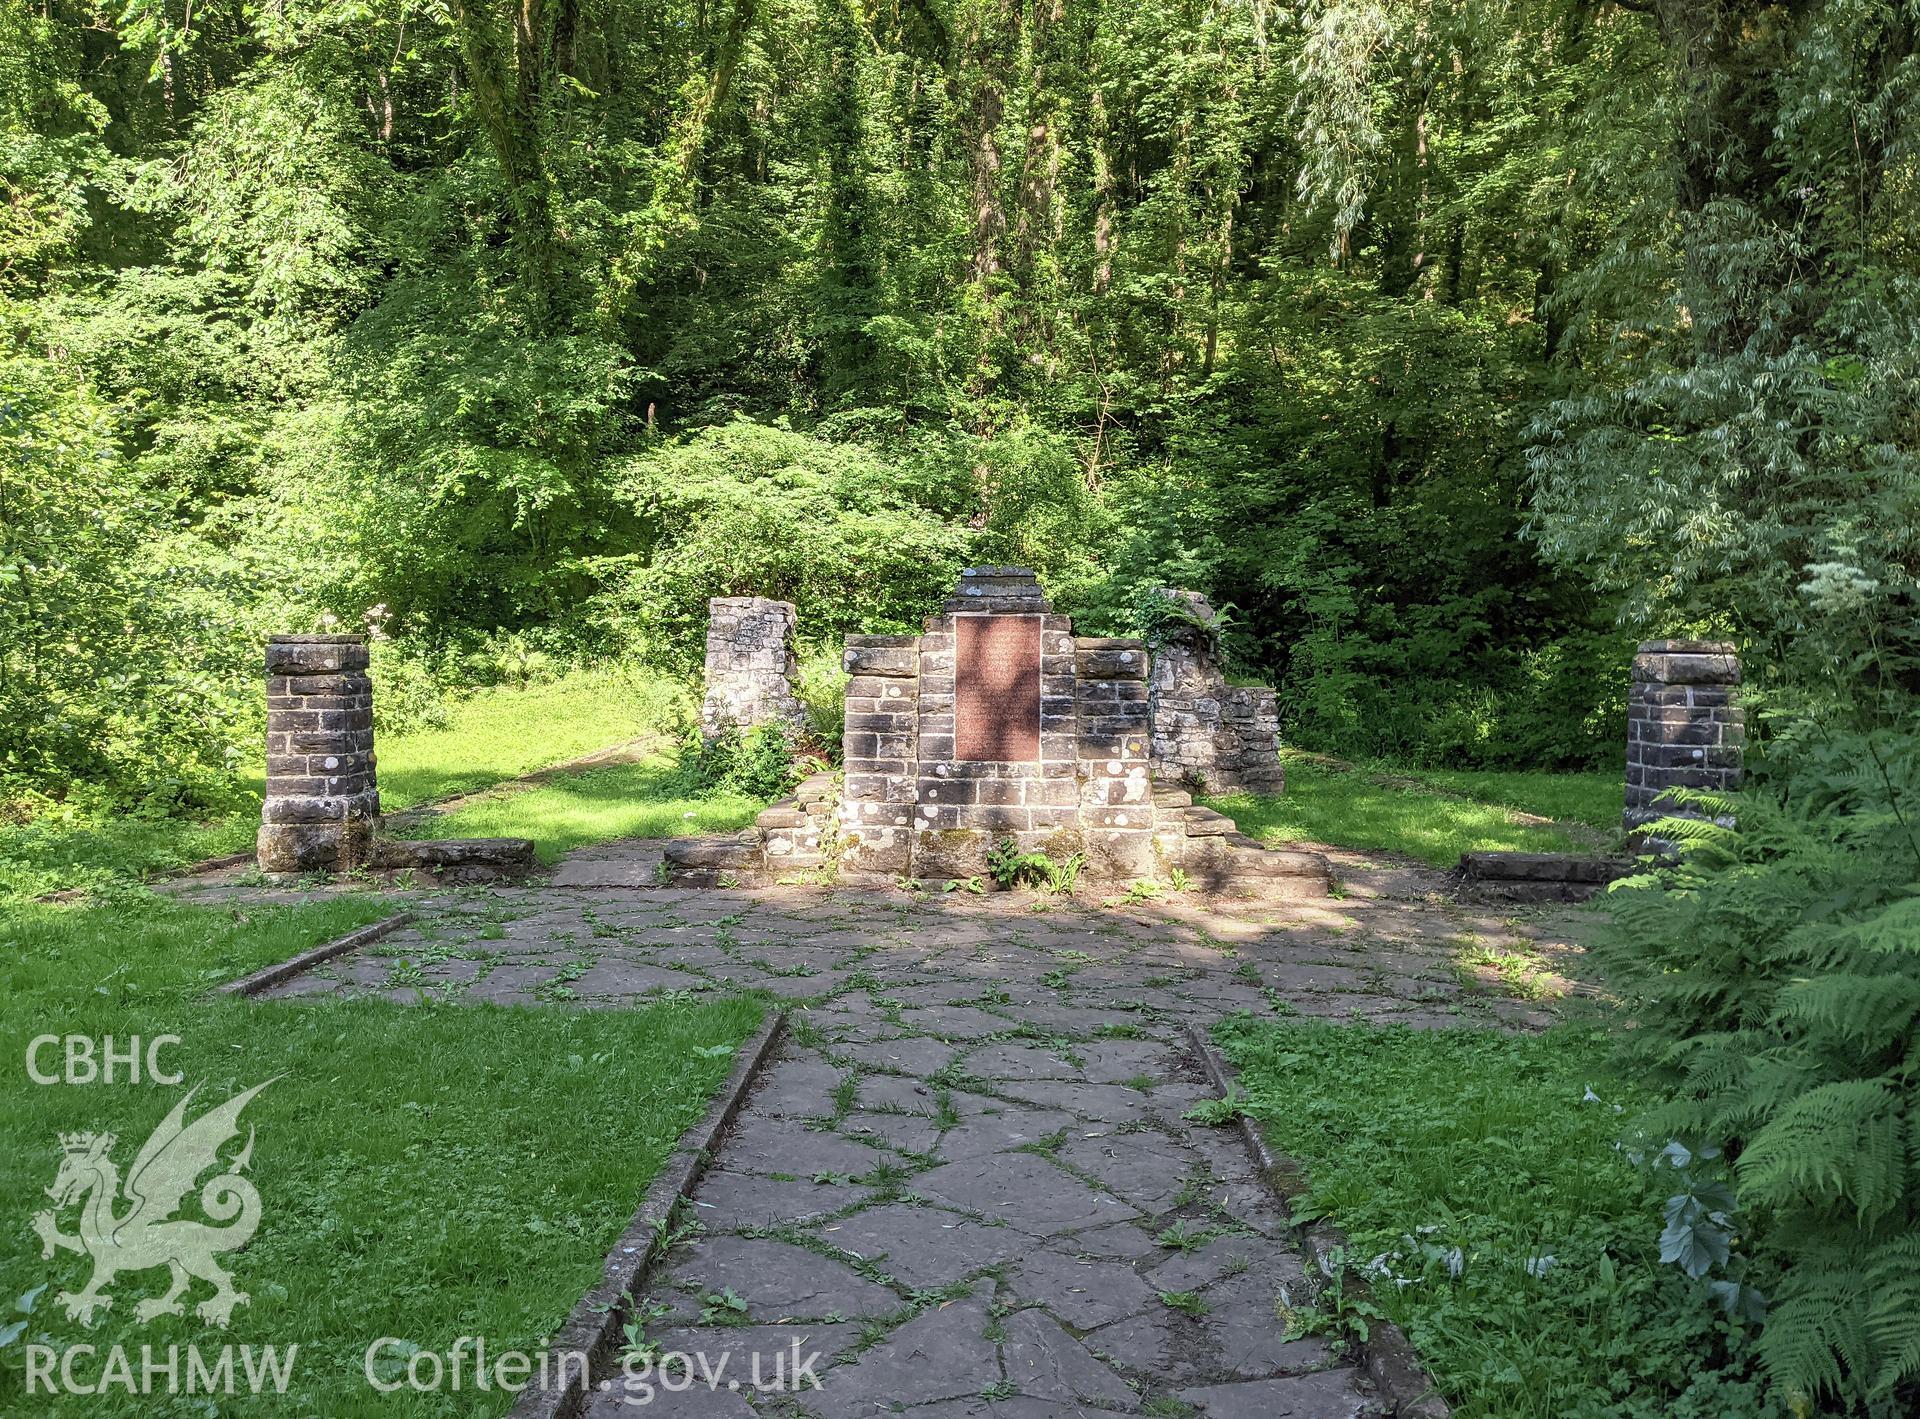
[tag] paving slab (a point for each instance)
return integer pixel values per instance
(978, 1225)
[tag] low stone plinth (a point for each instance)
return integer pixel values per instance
(1540, 876)
(1685, 729)
(457, 861)
(752, 672)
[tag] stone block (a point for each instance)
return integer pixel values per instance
(315, 655)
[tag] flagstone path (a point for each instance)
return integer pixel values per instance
(967, 1181)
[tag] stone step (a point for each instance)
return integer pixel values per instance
(798, 859)
(1198, 822)
(781, 815)
(730, 853)
(1171, 797)
(479, 856)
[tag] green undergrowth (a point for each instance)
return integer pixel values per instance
(425, 1172)
(573, 810)
(1373, 810)
(489, 736)
(1477, 1178)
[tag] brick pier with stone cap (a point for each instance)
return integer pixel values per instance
(322, 801)
(1685, 726)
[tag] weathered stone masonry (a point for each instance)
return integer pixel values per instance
(1685, 726)
(1207, 734)
(998, 722)
(322, 801)
(951, 745)
(751, 668)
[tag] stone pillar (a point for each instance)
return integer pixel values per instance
(1685, 727)
(751, 668)
(322, 803)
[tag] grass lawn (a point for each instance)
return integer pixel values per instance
(1596, 799)
(424, 1172)
(1353, 808)
(1476, 1153)
(492, 735)
(619, 801)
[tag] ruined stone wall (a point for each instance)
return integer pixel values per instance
(1685, 726)
(752, 672)
(1207, 734)
(322, 801)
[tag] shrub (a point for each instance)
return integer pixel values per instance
(1010, 867)
(1774, 985)
(759, 762)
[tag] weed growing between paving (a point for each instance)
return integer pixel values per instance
(425, 1172)
(1483, 1196)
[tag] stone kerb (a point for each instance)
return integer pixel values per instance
(752, 673)
(1685, 726)
(322, 800)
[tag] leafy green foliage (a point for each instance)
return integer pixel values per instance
(756, 763)
(1776, 995)
(1010, 867)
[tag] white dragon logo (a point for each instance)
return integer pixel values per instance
(143, 1237)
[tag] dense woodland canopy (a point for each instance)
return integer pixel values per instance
(1451, 345)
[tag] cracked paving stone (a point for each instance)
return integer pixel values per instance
(906, 1133)
(923, 1247)
(1326, 1394)
(1251, 1205)
(777, 1280)
(1083, 1291)
(626, 978)
(1025, 1191)
(1116, 1061)
(1043, 1361)
(1002, 1129)
(889, 1092)
(939, 1354)
(796, 1087)
(1106, 1103)
(911, 1054)
(727, 1200)
(1018, 1407)
(1249, 1341)
(1123, 1241)
(1005, 1061)
(760, 1357)
(1223, 1256)
(956, 1022)
(624, 1399)
(1145, 1344)
(764, 1146)
(1146, 1169)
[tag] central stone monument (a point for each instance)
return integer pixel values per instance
(997, 722)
